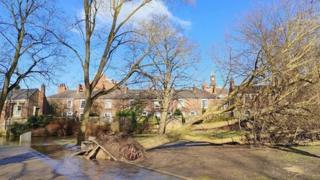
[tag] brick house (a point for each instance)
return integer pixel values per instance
(191, 102)
(21, 104)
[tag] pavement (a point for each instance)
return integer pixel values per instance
(18, 162)
(25, 163)
(180, 160)
(196, 160)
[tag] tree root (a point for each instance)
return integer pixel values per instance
(112, 147)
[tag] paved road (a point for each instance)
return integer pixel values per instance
(26, 163)
(207, 161)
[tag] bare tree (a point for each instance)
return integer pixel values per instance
(169, 62)
(28, 50)
(280, 70)
(111, 37)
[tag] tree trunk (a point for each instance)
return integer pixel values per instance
(164, 114)
(86, 118)
(3, 97)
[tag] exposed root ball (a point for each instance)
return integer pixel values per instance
(131, 152)
(114, 147)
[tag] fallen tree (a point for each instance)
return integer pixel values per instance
(118, 147)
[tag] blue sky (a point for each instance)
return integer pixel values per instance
(210, 21)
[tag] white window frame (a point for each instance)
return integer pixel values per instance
(181, 103)
(157, 114)
(34, 110)
(71, 103)
(15, 110)
(131, 102)
(156, 105)
(144, 113)
(204, 106)
(193, 113)
(108, 116)
(82, 100)
(69, 113)
(107, 104)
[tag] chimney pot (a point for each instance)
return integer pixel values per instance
(62, 88)
(80, 88)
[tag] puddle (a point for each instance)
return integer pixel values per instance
(56, 153)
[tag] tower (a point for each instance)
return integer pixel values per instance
(213, 82)
(231, 85)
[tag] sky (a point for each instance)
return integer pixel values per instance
(205, 22)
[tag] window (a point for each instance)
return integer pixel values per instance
(69, 103)
(156, 105)
(82, 103)
(180, 103)
(107, 104)
(193, 113)
(144, 113)
(35, 111)
(108, 116)
(131, 102)
(204, 103)
(69, 113)
(17, 109)
(158, 114)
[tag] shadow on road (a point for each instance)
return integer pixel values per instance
(17, 159)
(295, 150)
(184, 144)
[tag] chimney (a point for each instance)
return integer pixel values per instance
(194, 89)
(79, 88)
(62, 88)
(125, 90)
(204, 86)
(43, 89)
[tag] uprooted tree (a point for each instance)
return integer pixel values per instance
(278, 64)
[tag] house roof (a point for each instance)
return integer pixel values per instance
(20, 94)
(137, 93)
(194, 93)
(254, 89)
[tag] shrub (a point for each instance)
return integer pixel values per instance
(37, 121)
(93, 114)
(177, 112)
(128, 120)
(19, 128)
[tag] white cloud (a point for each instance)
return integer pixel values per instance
(154, 8)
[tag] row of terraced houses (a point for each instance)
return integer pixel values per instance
(23, 103)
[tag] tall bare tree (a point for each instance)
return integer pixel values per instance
(110, 38)
(28, 50)
(171, 58)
